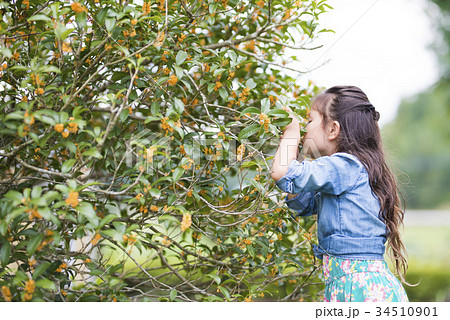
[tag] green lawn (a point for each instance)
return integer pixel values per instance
(429, 262)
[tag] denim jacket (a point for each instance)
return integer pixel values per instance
(337, 189)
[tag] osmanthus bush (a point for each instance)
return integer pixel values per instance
(135, 147)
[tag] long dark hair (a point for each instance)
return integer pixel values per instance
(360, 136)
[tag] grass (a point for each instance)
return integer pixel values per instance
(429, 261)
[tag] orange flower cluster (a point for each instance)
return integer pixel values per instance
(139, 196)
(182, 151)
(159, 39)
(166, 70)
(161, 5)
(133, 21)
(154, 208)
(4, 66)
(72, 199)
(307, 236)
(172, 80)
(73, 127)
(28, 119)
(33, 214)
(146, 8)
(272, 99)
(66, 47)
(250, 45)
(240, 152)
(188, 166)
(95, 239)
(181, 37)
(61, 267)
(244, 94)
(260, 3)
(26, 3)
(78, 8)
(59, 127)
(163, 57)
(217, 86)
(264, 119)
(166, 241)
(287, 15)
(186, 222)
(6, 293)
(29, 289)
(130, 239)
(165, 125)
(35, 79)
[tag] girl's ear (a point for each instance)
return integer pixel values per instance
(334, 130)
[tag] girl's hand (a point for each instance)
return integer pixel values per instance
(291, 115)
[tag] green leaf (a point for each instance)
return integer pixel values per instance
(179, 171)
(179, 106)
(265, 105)
(87, 210)
(223, 93)
(80, 18)
(173, 294)
(154, 192)
(109, 23)
(39, 17)
(34, 243)
(250, 83)
(250, 110)
(181, 57)
(6, 52)
(215, 277)
(40, 269)
(67, 165)
(49, 69)
(93, 152)
(248, 131)
(278, 113)
(5, 253)
(14, 195)
(225, 292)
(46, 284)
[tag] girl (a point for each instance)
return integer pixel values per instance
(352, 191)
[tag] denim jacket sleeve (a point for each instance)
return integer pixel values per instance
(305, 203)
(333, 174)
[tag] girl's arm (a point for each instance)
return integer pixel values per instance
(287, 149)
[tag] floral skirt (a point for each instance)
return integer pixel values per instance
(360, 281)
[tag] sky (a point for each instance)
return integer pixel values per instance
(380, 46)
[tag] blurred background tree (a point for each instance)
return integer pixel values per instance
(418, 140)
(418, 145)
(122, 124)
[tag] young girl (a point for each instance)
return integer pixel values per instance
(352, 191)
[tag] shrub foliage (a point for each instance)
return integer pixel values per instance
(134, 149)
